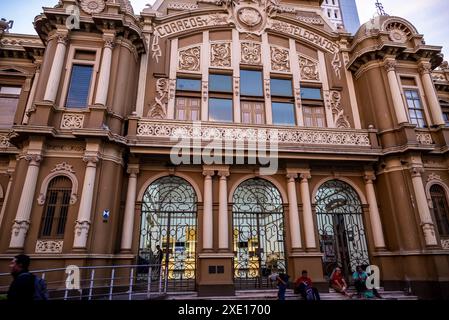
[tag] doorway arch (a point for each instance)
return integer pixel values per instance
(258, 233)
(340, 227)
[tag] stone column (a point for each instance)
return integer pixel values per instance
(223, 233)
(56, 68)
(22, 220)
(423, 207)
(105, 71)
(307, 213)
(399, 108)
(82, 224)
(295, 230)
(429, 90)
(376, 224)
(128, 223)
(208, 228)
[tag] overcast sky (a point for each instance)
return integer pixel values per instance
(430, 17)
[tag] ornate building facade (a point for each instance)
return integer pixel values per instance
(93, 108)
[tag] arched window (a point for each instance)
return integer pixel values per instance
(440, 209)
(56, 207)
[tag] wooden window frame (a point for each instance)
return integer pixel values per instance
(308, 103)
(68, 75)
(186, 94)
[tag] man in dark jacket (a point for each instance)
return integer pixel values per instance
(22, 287)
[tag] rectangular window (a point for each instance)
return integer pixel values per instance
(220, 110)
(79, 88)
(283, 113)
(183, 84)
(251, 83)
(253, 112)
(9, 99)
(314, 116)
(313, 107)
(415, 109)
(281, 87)
(220, 83)
(188, 108)
(311, 93)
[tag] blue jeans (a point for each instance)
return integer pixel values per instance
(281, 292)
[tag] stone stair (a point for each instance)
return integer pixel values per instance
(271, 294)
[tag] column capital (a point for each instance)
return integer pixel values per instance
(369, 177)
(416, 171)
(305, 176)
(109, 41)
(224, 173)
(34, 159)
(390, 64)
(291, 176)
(91, 160)
(133, 169)
(424, 67)
(62, 36)
(208, 173)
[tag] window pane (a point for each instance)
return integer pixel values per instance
(311, 93)
(283, 113)
(10, 90)
(281, 87)
(220, 83)
(188, 84)
(8, 108)
(408, 94)
(220, 110)
(79, 86)
(251, 83)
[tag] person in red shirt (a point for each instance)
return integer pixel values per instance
(304, 286)
(338, 283)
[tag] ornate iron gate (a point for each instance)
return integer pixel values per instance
(258, 236)
(169, 219)
(341, 228)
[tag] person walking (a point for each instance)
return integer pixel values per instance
(22, 287)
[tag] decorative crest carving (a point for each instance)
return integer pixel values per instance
(220, 54)
(280, 60)
(308, 68)
(159, 109)
(190, 59)
(251, 53)
(92, 6)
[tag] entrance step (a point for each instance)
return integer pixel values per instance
(271, 294)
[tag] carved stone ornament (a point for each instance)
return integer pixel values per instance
(4, 141)
(92, 6)
(445, 244)
(398, 32)
(280, 60)
(72, 121)
(63, 167)
(159, 109)
(251, 53)
(182, 6)
(308, 69)
(220, 55)
(249, 16)
(333, 101)
(158, 129)
(190, 59)
(337, 64)
(424, 138)
(49, 246)
(434, 177)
